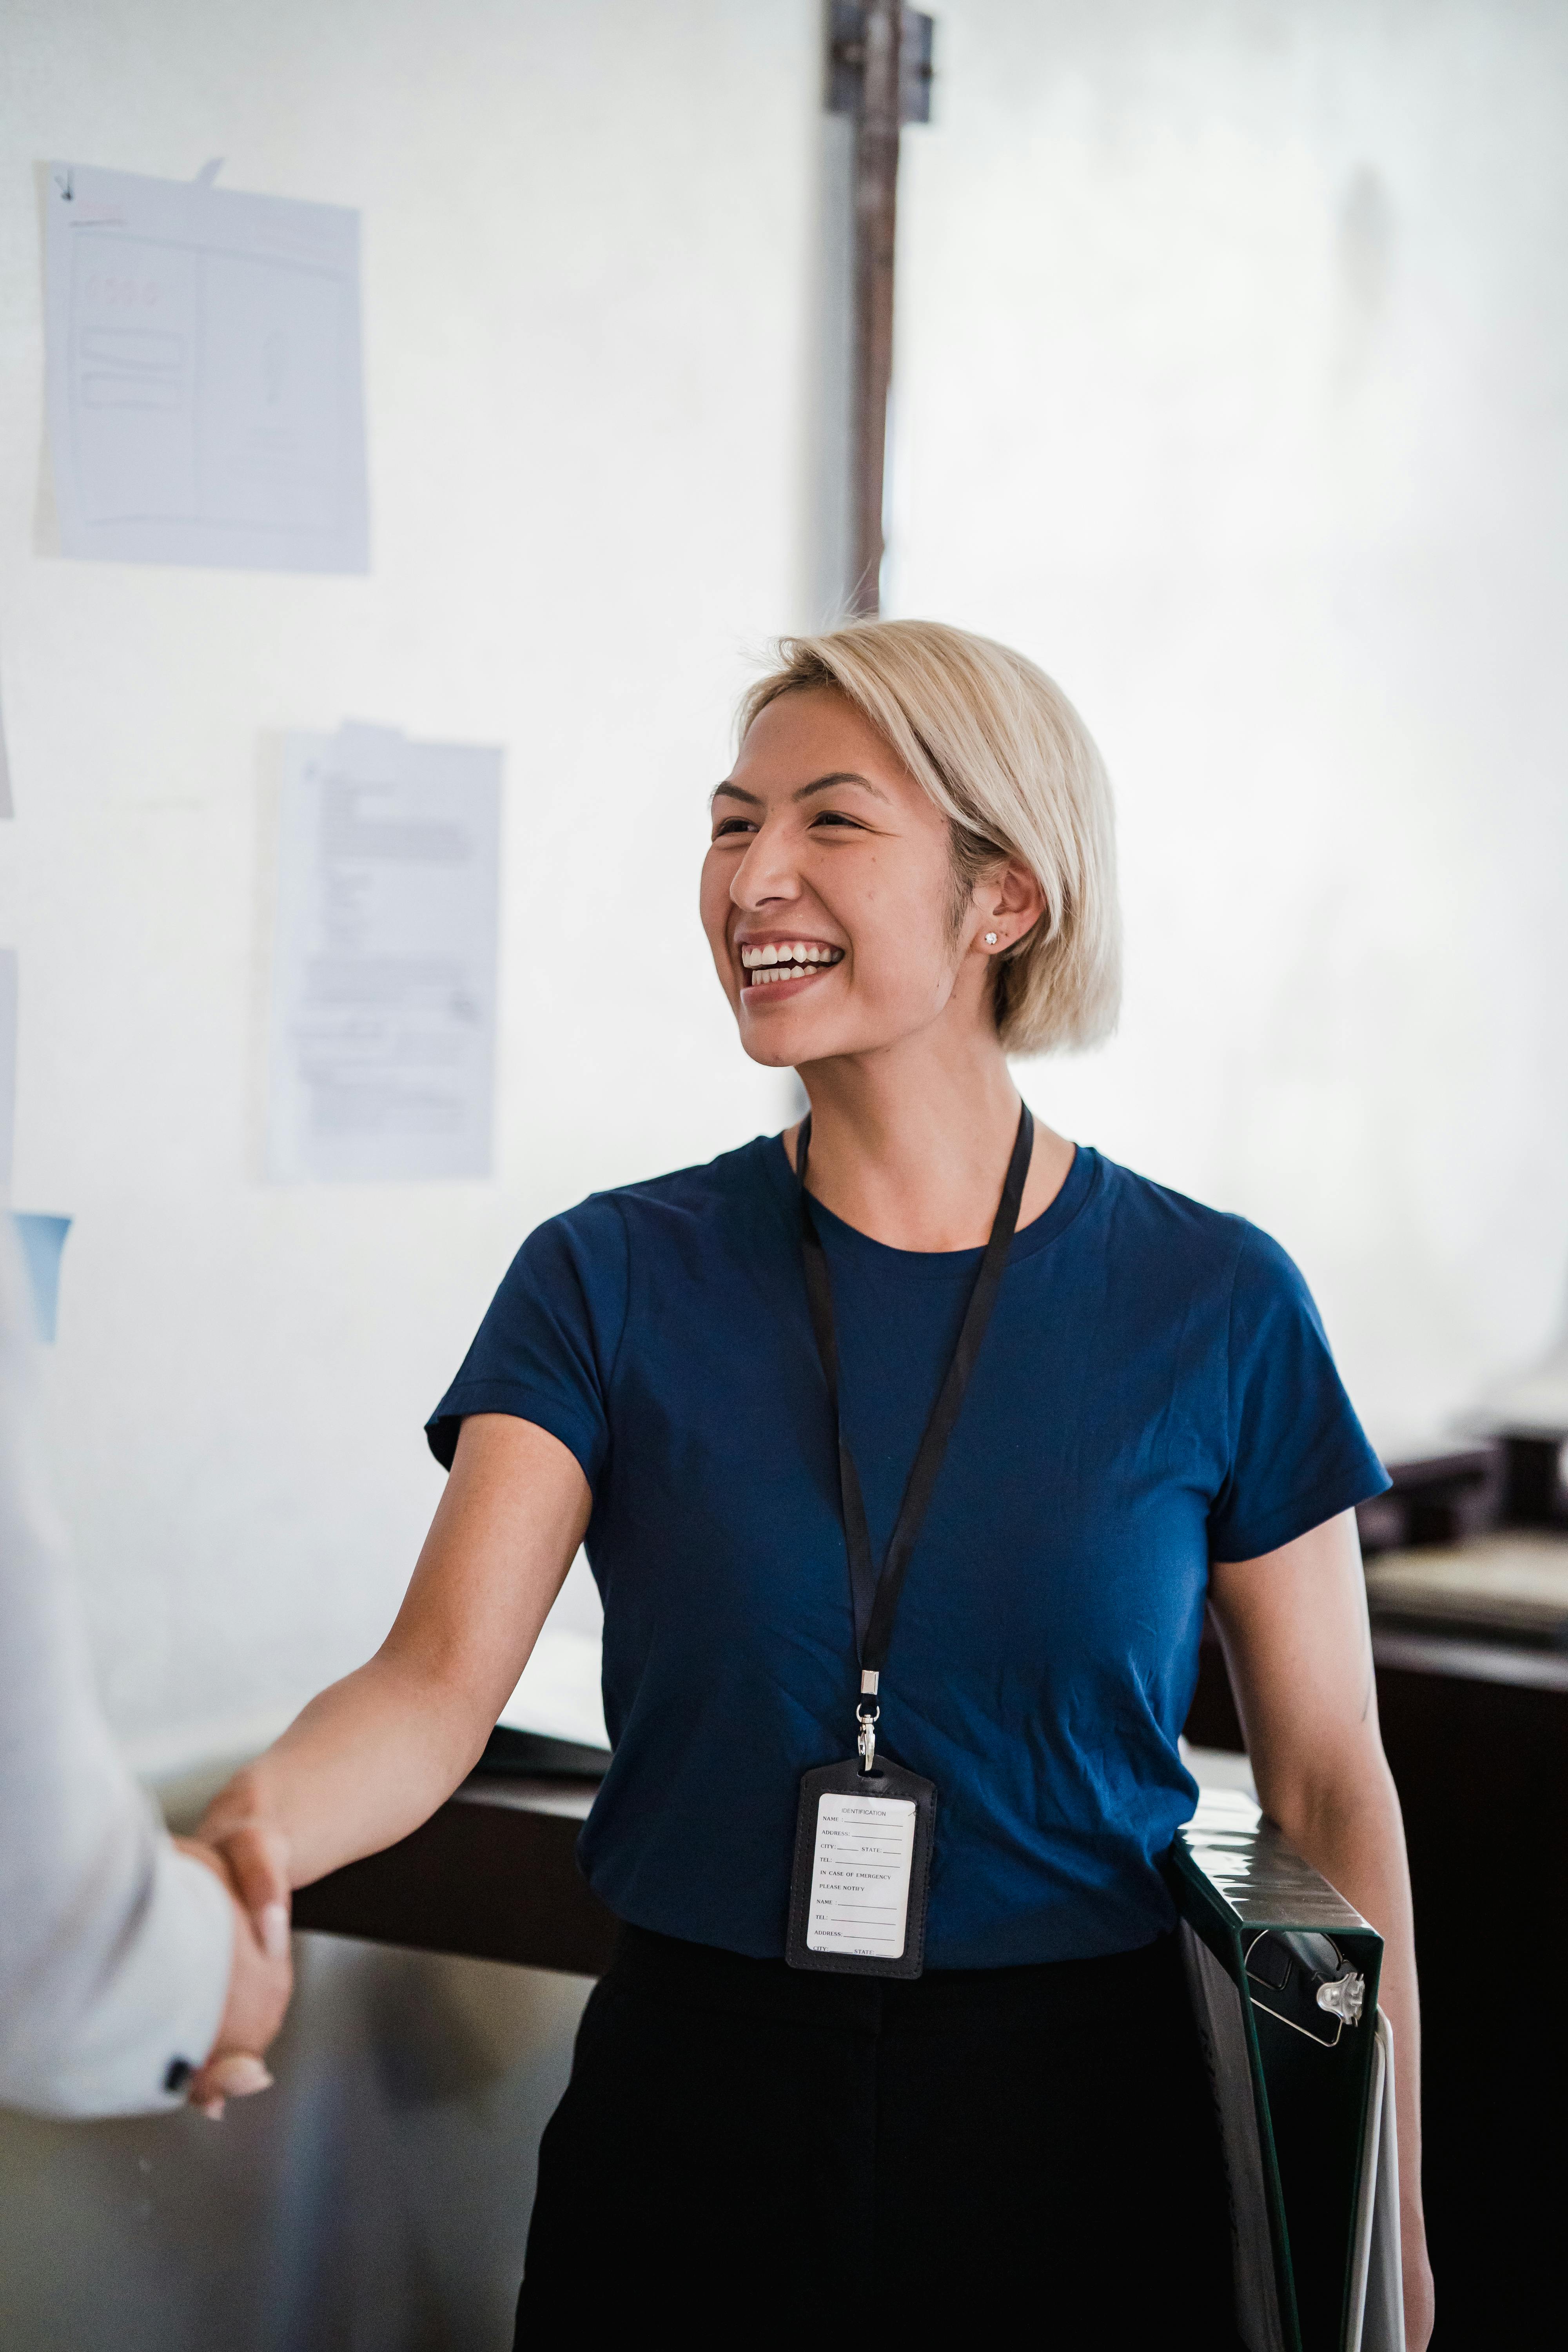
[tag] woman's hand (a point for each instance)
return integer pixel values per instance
(255, 1854)
(259, 1982)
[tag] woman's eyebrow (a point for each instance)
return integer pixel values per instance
(803, 793)
(839, 776)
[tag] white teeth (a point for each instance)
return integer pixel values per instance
(798, 951)
(790, 961)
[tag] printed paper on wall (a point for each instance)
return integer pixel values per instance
(383, 1045)
(204, 377)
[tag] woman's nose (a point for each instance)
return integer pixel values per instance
(766, 874)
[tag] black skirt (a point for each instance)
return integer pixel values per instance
(750, 2147)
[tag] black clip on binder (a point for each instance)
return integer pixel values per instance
(1283, 1975)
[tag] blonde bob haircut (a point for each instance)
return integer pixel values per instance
(1015, 771)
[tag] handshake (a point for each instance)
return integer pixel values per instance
(251, 1863)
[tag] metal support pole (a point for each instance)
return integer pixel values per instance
(876, 218)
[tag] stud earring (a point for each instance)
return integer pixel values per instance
(990, 939)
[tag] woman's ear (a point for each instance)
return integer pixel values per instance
(1011, 903)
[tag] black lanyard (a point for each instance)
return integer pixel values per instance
(875, 1593)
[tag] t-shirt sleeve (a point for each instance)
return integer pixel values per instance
(546, 1349)
(1298, 1453)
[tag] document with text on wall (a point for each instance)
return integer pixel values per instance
(206, 395)
(383, 1029)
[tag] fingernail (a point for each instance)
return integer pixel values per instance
(274, 1925)
(239, 2074)
(213, 2110)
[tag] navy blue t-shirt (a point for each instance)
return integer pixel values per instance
(1154, 1391)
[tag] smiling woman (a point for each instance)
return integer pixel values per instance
(1009, 771)
(908, 1448)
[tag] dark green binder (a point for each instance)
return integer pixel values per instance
(1300, 2089)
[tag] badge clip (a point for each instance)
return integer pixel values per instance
(866, 1740)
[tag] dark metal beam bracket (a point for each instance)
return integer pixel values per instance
(846, 62)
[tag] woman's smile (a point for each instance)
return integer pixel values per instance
(782, 965)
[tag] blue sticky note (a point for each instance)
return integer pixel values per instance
(42, 1240)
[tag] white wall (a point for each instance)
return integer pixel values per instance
(591, 246)
(1232, 361)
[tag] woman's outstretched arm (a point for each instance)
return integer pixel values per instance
(374, 1755)
(1294, 1626)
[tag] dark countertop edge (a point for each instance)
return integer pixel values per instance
(567, 1799)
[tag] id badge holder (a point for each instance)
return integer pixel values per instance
(862, 1871)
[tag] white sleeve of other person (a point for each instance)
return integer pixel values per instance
(114, 1947)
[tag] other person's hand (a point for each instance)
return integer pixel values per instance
(260, 1981)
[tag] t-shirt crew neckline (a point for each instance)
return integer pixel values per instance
(935, 1266)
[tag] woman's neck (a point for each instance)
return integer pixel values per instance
(913, 1149)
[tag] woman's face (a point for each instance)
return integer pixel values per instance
(827, 892)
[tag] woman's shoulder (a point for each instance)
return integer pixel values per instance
(696, 1197)
(1142, 1214)
(738, 1175)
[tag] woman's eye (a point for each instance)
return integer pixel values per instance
(730, 828)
